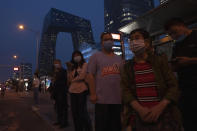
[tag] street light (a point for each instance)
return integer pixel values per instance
(15, 56)
(21, 27)
(16, 69)
(37, 33)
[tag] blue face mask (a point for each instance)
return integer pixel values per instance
(182, 37)
(107, 45)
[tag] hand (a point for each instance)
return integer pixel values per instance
(69, 65)
(144, 112)
(154, 114)
(156, 111)
(183, 60)
(93, 98)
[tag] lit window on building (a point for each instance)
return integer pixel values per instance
(163, 1)
(129, 18)
(126, 9)
(116, 47)
(126, 19)
(118, 53)
(111, 22)
(126, 14)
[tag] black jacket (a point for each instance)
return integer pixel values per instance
(60, 82)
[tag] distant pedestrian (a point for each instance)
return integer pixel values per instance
(3, 89)
(59, 94)
(104, 81)
(36, 84)
(184, 62)
(78, 92)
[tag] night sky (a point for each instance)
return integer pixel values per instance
(31, 13)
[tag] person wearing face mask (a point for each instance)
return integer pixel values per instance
(104, 81)
(59, 93)
(149, 88)
(184, 62)
(78, 90)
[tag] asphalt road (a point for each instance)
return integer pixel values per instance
(16, 114)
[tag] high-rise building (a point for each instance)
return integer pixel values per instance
(118, 13)
(112, 13)
(58, 21)
(163, 1)
(16, 75)
(25, 70)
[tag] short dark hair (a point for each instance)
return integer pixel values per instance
(57, 60)
(104, 33)
(172, 22)
(144, 33)
(36, 74)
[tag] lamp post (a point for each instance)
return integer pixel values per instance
(37, 33)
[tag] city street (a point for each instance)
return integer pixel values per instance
(134, 59)
(17, 114)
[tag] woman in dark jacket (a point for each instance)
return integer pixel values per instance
(150, 89)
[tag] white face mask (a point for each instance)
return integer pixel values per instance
(137, 46)
(77, 59)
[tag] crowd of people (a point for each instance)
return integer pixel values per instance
(141, 94)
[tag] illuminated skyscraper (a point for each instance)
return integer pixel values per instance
(163, 1)
(26, 70)
(58, 21)
(118, 13)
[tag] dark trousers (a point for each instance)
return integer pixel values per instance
(107, 117)
(36, 93)
(79, 112)
(188, 107)
(61, 108)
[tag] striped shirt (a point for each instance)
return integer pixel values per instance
(146, 87)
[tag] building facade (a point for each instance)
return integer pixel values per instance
(163, 1)
(25, 70)
(118, 13)
(16, 75)
(58, 21)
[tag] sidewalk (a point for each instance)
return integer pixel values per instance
(46, 112)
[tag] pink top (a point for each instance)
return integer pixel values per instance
(77, 84)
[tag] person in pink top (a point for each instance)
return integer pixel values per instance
(77, 70)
